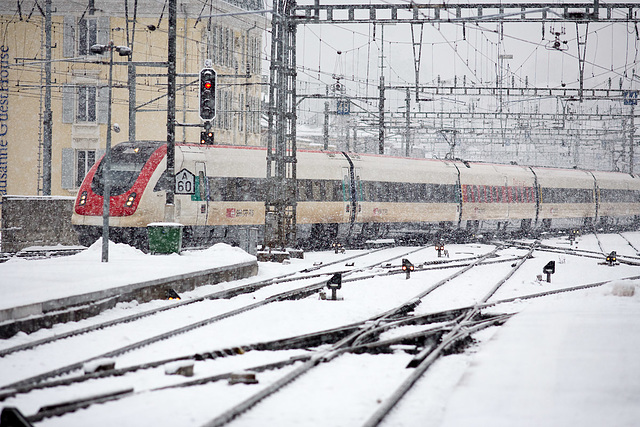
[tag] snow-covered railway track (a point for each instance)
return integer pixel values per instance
(252, 286)
(289, 289)
(35, 383)
(364, 340)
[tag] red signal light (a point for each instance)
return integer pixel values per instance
(207, 85)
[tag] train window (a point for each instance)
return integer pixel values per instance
(163, 183)
(215, 193)
(328, 191)
(377, 191)
(317, 190)
(244, 189)
(302, 190)
(229, 190)
(127, 160)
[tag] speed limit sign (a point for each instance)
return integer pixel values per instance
(185, 182)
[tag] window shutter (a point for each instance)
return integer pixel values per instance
(103, 104)
(68, 102)
(103, 30)
(69, 37)
(67, 170)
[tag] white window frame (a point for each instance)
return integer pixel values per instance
(83, 163)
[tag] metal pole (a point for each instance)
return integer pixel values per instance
(632, 132)
(381, 118)
(47, 119)
(131, 71)
(407, 135)
(381, 100)
(106, 169)
(325, 128)
(169, 214)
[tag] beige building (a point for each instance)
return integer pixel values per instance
(231, 38)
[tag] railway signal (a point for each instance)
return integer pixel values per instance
(407, 267)
(612, 258)
(573, 234)
(439, 248)
(206, 137)
(549, 269)
(207, 94)
(334, 284)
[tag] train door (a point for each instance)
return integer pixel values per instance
(201, 196)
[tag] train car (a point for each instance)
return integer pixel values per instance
(618, 196)
(497, 197)
(220, 190)
(567, 198)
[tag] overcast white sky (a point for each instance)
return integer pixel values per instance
(612, 52)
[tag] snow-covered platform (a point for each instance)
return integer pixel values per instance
(567, 360)
(37, 293)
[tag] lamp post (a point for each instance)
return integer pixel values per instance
(106, 167)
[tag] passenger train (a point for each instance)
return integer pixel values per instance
(347, 196)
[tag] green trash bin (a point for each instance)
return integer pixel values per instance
(165, 237)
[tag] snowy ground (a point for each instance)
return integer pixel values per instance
(29, 281)
(566, 359)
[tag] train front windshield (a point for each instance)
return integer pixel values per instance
(127, 160)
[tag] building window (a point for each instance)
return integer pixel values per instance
(87, 35)
(84, 160)
(86, 111)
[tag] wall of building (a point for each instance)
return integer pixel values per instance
(79, 90)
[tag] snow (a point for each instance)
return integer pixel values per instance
(25, 282)
(570, 360)
(564, 359)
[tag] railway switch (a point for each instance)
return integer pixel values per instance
(334, 284)
(612, 258)
(549, 269)
(407, 267)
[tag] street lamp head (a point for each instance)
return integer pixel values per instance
(98, 48)
(123, 50)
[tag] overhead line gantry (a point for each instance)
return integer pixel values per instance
(280, 207)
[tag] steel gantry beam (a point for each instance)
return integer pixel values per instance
(428, 92)
(416, 12)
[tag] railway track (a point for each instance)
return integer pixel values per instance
(222, 294)
(355, 338)
(35, 382)
(303, 274)
(294, 293)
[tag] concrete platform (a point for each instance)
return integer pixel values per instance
(41, 293)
